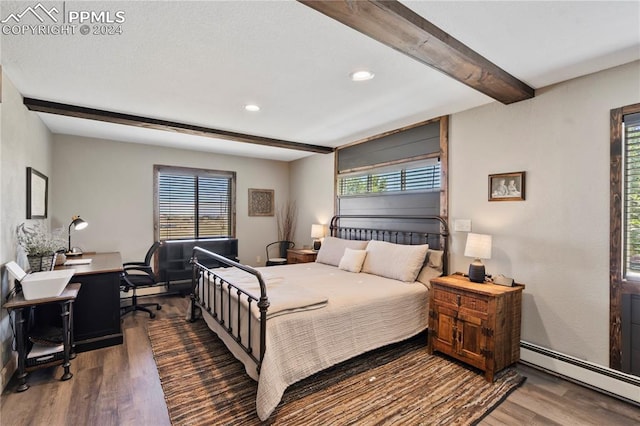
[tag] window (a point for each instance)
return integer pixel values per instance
(398, 173)
(631, 196)
(193, 203)
(409, 177)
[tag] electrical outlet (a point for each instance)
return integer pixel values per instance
(258, 259)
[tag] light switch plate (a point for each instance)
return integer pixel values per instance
(462, 225)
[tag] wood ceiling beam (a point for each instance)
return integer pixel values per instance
(49, 107)
(397, 26)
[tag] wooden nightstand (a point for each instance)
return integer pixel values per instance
(478, 324)
(301, 256)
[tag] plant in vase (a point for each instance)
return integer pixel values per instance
(40, 245)
(286, 220)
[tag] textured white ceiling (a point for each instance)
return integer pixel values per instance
(200, 62)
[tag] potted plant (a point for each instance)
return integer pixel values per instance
(286, 221)
(40, 245)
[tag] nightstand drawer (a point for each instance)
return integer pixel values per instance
(460, 300)
(446, 297)
(474, 303)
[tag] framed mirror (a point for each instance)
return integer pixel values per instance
(37, 194)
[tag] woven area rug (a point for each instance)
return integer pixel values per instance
(396, 385)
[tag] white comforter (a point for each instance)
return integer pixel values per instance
(285, 296)
(363, 312)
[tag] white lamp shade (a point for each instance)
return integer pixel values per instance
(317, 231)
(478, 246)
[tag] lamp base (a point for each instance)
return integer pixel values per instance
(476, 272)
(75, 251)
(316, 245)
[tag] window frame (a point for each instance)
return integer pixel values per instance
(618, 283)
(157, 169)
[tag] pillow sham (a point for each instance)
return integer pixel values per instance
(435, 259)
(426, 274)
(332, 249)
(352, 260)
(395, 261)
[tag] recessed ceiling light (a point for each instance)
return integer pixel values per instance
(252, 107)
(361, 75)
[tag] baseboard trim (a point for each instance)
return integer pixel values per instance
(603, 379)
(7, 372)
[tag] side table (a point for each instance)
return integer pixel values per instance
(21, 308)
(478, 324)
(301, 255)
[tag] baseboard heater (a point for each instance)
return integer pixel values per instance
(602, 379)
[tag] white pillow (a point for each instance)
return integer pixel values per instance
(396, 261)
(352, 260)
(332, 249)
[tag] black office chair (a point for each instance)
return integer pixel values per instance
(277, 252)
(136, 275)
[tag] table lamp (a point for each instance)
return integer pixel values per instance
(479, 247)
(317, 232)
(77, 224)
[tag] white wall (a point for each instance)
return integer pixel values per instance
(312, 188)
(557, 240)
(110, 185)
(24, 142)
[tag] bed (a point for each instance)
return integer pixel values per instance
(368, 288)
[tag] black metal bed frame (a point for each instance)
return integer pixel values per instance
(213, 303)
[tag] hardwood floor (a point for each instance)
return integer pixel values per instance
(120, 386)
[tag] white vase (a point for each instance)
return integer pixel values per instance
(60, 258)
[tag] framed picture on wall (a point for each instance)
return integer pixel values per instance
(37, 194)
(507, 186)
(261, 202)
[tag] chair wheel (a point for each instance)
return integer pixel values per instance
(152, 315)
(159, 307)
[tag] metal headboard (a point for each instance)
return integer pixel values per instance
(436, 235)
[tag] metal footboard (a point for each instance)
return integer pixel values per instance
(215, 296)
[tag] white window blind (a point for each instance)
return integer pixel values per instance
(408, 177)
(193, 203)
(631, 207)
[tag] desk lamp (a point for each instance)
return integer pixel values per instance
(77, 224)
(479, 247)
(317, 232)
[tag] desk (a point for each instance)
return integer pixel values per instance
(18, 305)
(97, 309)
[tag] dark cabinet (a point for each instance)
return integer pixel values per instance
(96, 321)
(97, 311)
(174, 259)
(631, 334)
